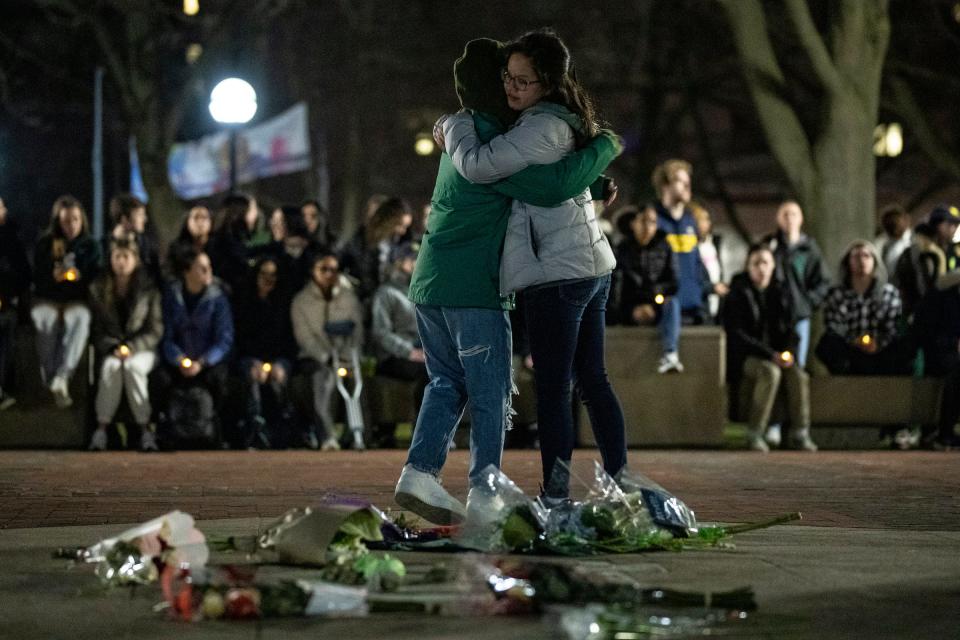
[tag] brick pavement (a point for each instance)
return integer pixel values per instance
(879, 489)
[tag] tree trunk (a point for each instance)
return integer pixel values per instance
(841, 206)
(833, 170)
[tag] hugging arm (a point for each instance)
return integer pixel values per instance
(547, 185)
(536, 139)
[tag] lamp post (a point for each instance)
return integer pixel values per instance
(233, 102)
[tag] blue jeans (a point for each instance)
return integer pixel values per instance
(670, 325)
(565, 324)
(803, 330)
(468, 361)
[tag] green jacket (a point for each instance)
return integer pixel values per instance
(459, 261)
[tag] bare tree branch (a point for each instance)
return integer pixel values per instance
(906, 107)
(813, 44)
(784, 132)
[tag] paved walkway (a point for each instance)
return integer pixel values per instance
(880, 489)
(876, 556)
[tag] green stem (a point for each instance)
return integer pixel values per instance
(763, 524)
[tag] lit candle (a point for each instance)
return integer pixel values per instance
(865, 339)
(186, 363)
(267, 367)
(342, 372)
(786, 357)
(71, 274)
(124, 351)
(659, 298)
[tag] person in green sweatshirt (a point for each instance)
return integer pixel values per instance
(461, 317)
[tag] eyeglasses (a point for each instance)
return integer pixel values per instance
(520, 84)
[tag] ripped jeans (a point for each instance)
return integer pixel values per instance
(468, 360)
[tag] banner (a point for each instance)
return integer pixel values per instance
(136, 178)
(278, 146)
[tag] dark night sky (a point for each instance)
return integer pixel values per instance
(638, 58)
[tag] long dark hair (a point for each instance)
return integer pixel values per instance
(551, 60)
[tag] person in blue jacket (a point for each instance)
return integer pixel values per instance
(671, 179)
(197, 330)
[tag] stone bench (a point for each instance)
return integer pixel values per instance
(874, 400)
(686, 409)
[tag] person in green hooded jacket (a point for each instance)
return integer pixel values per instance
(461, 316)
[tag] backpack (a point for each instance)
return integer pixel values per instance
(191, 421)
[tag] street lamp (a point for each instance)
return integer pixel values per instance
(233, 102)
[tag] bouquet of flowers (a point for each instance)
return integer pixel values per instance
(233, 593)
(138, 555)
(332, 536)
(626, 515)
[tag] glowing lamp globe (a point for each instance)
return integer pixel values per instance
(233, 101)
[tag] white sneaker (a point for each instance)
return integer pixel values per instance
(772, 436)
(148, 440)
(757, 443)
(330, 444)
(670, 362)
(423, 494)
(61, 392)
(804, 443)
(6, 402)
(98, 441)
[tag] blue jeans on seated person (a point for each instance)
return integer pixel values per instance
(468, 354)
(565, 323)
(669, 325)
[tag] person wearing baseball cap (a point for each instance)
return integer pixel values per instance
(932, 256)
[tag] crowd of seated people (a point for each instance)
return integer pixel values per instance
(244, 304)
(202, 346)
(888, 312)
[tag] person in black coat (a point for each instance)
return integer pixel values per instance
(233, 243)
(15, 279)
(292, 247)
(129, 216)
(647, 281)
(938, 324)
(265, 350)
(66, 260)
(761, 350)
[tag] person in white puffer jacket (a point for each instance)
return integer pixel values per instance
(557, 257)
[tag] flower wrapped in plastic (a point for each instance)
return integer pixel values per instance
(500, 517)
(137, 555)
(333, 536)
(624, 515)
(233, 593)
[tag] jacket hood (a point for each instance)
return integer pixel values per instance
(880, 275)
(476, 77)
(558, 110)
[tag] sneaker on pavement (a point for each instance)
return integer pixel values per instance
(905, 439)
(948, 443)
(423, 494)
(6, 402)
(98, 441)
(61, 392)
(804, 443)
(773, 435)
(310, 440)
(670, 362)
(757, 443)
(148, 440)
